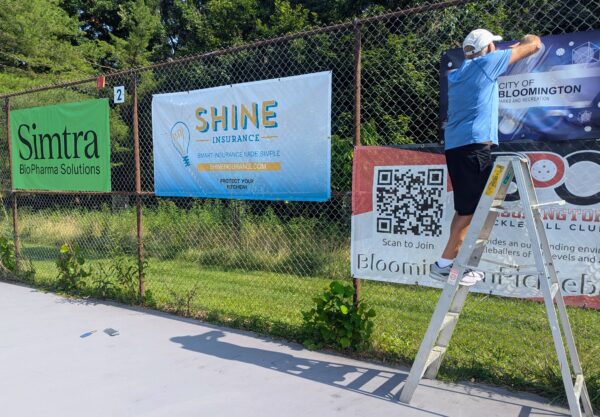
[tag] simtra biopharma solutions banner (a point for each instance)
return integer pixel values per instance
(402, 206)
(263, 140)
(552, 95)
(64, 147)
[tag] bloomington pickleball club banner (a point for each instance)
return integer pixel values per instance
(64, 147)
(402, 204)
(551, 95)
(263, 140)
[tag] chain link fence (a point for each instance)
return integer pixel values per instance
(257, 263)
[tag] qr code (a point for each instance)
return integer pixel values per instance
(409, 200)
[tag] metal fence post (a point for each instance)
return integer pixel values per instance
(138, 186)
(357, 103)
(13, 195)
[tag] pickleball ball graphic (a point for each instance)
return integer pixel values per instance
(547, 169)
(544, 170)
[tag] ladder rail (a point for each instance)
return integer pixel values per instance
(497, 186)
(553, 318)
(428, 343)
(446, 331)
(583, 395)
(469, 257)
(559, 299)
(470, 254)
(545, 263)
(551, 270)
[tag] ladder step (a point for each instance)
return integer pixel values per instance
(492, 261)
(517, 268)
(479, 244)
(549, 203)
(449, 318)
(578, 386)
(528, 271)
(554, 290)
(478, 268)
(436, 353)
(520, 268)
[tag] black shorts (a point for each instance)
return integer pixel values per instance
(469, 168)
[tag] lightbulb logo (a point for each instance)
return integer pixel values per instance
(180, 137)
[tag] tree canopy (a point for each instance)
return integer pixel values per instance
(47, 41)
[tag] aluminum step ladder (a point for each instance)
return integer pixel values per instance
(435, 343)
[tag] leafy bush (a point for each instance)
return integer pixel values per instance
(23, 271)
(103, 285)
(71, 271)
(118, 279)
(126, 271)
(8, 258)
(336, 321)
(182, 299)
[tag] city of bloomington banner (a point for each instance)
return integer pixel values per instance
(263, 140)
(551, 95)
(402, 206)
(64, 147)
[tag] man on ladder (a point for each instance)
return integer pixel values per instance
(479, 192)
(471, 130)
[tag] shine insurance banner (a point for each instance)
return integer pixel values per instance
(65, 147)
(402, 206)
(264, 140)
(551, 95)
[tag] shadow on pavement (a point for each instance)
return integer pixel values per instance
(371, 382)
(377, 383)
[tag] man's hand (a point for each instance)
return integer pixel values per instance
(529, 45)
(527, 39)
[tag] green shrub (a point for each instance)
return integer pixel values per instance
(9, 268)
(117, 279)
(71, 271)
(103, 285)
(181, 299)
(126, 271)
(336, 321)
(8, 258)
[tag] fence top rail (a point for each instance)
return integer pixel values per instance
(251, 45)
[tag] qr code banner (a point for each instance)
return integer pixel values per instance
(409, 200)
(403, 206)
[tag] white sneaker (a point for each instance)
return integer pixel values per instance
(471, 278)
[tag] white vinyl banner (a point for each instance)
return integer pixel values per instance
(263, 140)
(403, 206)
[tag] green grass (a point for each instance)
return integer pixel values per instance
(206, 234)
(500, 341)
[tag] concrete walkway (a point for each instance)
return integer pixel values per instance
(162, 365)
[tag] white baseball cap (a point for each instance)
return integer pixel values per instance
(479, 39)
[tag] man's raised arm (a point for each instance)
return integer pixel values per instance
(529, 45)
